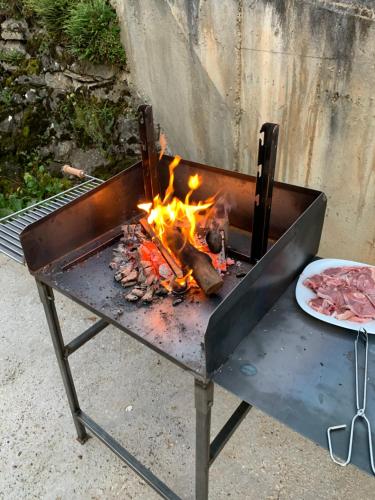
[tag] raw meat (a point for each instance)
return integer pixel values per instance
(346, 292)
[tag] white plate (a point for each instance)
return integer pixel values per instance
(304, 294)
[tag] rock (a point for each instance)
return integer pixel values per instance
(7, 125)
(10, 46)
(17, 99)
(80, 78)
(58, 81)
(33, 80)
(127, 129)
(98, 71)
(62, 150)
(50, 65)
(87, 159)
(31, 96)
(11, 68)
(11, 122)
(13, 29)
(119, 91)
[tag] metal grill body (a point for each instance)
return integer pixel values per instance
(69, 250)
(12, 225)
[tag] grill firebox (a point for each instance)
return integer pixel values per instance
(69, 251)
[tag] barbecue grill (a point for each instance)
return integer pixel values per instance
(69, 251)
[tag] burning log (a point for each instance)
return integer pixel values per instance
(167, 256)
(214, 240)
(199, 262)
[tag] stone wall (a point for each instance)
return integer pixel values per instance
(215, 71)
(61, 109)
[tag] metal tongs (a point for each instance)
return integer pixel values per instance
(362, 333)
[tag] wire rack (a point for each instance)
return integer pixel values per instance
(12, 225)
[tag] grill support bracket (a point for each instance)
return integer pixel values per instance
(206, 451)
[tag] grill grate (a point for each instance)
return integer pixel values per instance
(12, 225)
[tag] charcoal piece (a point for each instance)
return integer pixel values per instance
(128, 284)
(152, 278)
(127, 269)
(240, 274)
(131, 297)
(214, 241)
(132, 276)
(118, 276)
(148, 296)
(161, 292)
(179, 287)
(177, 301)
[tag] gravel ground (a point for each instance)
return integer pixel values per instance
(147, 404)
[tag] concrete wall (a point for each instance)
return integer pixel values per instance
(215, 71)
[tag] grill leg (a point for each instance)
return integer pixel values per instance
(204, 397)
(48, 300)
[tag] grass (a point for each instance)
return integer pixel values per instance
(93, 32)
(52, 13)
(12, 8)
(6, 97)
(89, 119)
(89, 28)
(11, 56)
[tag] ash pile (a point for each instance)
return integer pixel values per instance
(141, 269)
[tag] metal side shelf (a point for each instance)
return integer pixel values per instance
(12, 225)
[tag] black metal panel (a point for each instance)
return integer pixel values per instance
(263, 192)
(149, 154)
(263, 285)
(83, 219)
(288, 201)
(301, 371)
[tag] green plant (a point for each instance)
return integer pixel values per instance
(94, 120)
(90, 120)
(6, 96)
(12, 8)
(93, 32)
(52, 13)
(11, 56)
(35, 184)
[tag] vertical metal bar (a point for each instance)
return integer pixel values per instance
(204, 398)
(149, 154)
(263, 192)
(48, 300)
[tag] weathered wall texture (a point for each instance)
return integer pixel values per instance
(215, 71)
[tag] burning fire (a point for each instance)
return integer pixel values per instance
(171, 212)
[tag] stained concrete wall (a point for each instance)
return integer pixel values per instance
(215, 71)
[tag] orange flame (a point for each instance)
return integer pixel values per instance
(171, 212)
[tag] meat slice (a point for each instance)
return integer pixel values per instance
(344, 313)
(314, 282)
(333, 295)
(345, 292)
(359, 304)
(322, 306)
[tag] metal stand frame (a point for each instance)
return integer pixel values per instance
(206, 451)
